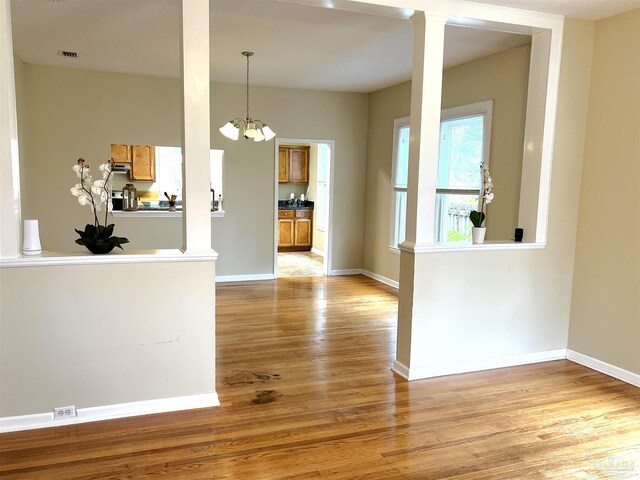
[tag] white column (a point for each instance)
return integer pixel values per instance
(9, 160)
(426, 92)
(196, 213)
(530, 184)
(424, 143)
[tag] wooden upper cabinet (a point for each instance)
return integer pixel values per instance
(143, 163)
(121, 153)
(299, 165)
(293, 164)
(283, 165)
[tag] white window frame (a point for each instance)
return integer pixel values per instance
(485, 108)
(397, 124)
(470, 110)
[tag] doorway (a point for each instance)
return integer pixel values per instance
(303, 207)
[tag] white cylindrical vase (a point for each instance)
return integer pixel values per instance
(477, 234)
(31, 238)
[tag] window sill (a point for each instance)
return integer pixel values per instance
(493, 245)
(157, 213)
(394, 250)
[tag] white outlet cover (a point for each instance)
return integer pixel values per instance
(61, 413)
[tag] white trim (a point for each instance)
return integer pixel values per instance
(245, 278)
(349, 271)
(109, 412)
(127, 256)
(452, 247)
(603, 367)
(401, 369)
(397, 124)
(328, 255)
(381, 279)
(317, 251)
(477, 364)
(158, 214)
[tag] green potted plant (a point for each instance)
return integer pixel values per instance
(477, 217)
(97, 237)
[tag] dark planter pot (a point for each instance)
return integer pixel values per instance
(99, 239)
(100, 247)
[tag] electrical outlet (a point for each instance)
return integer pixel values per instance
(60, 413)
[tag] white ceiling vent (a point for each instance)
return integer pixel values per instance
(66, 53)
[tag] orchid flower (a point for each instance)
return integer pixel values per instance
(95, 194)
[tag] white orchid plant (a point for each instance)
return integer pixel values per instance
(98, 238)
(477, 216)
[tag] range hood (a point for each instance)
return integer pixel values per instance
(121, 168)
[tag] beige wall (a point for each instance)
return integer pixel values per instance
(605, 310)
(66, 341)
(509, 302)
(72, 113)
(502, 77)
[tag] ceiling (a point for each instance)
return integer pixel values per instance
(295, 45)
(585, 9)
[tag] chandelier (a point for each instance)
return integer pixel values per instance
(251, 128)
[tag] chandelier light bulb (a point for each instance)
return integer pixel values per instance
(268, 133)
(230, 131)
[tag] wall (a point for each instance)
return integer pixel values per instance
(605, 309)
(508, 303)
(502, 77)
(72, 113)
(104, 347)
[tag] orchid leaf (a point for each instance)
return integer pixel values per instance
(476, 218)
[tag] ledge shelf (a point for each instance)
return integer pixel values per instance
(126, 256)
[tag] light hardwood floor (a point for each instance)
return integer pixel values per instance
(304, 379)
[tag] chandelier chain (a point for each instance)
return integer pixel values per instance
(248, 117)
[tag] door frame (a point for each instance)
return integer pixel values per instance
(328, 239)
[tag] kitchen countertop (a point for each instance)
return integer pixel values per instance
(284, 205)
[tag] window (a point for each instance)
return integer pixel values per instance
(464, 143)
(400, 176)
(169, 173)
(320, 205)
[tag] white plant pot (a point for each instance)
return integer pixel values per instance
(478, 233)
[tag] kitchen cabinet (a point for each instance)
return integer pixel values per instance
(293, 164)
(143, 163)
(294, 230)
(283, 165)
(285, 232)
(121, 153)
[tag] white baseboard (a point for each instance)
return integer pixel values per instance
(109, 412)
(351, 271)
(381, 279)
(245, 278)
(317, 252)
(475, 365)
(603, 367)
(401, 369)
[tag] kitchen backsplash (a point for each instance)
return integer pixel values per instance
(286, 189)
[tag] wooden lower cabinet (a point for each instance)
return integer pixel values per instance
(302, 233)
(295, 230)
(285, 232)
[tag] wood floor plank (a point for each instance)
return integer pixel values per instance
(306, 391)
